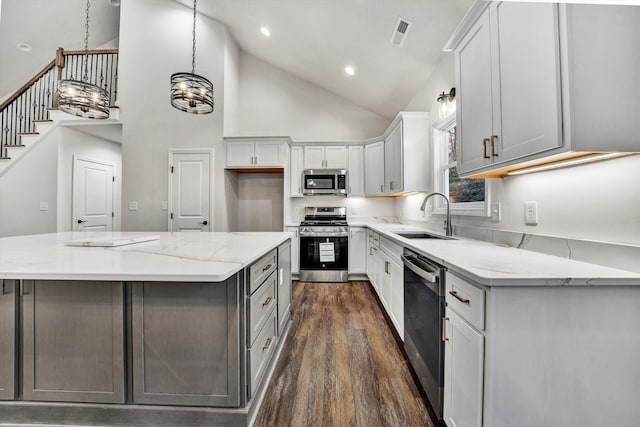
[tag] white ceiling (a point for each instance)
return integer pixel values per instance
(312, 39)
(316, 39)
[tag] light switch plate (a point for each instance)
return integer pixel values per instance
(531, 213)
(44, 206)
(133, 206)
(164, 205)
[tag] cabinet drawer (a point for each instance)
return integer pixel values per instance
(259, 305)
(391, 248)
(466, 300)
(261, 351)
(261, 269)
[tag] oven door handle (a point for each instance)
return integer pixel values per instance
(429, 276)
(345, 234)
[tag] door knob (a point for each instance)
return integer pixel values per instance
(205, 222)
(80, 221)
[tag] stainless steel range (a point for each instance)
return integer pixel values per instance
(324, 245)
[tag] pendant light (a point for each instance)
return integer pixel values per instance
(79, 97)
(190, 92)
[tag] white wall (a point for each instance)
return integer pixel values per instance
(598, 201)
(31, 181)
(273, 102)
(231, 85)
(74, 143)
(260, 202)
(381, 207)
(155, 42)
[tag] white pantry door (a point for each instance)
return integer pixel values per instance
(190, 190)
(93, 182)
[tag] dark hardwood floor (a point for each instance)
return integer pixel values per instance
(341, 365)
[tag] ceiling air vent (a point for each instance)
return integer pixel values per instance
(400, 31)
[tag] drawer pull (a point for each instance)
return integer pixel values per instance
(267, 301)
(268, 266)
(459, 298)
(267, 344)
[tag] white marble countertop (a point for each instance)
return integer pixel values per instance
(492, 265)
(186, 257)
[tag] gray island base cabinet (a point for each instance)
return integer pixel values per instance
(132, 350)
(185, 343)
(73, 341)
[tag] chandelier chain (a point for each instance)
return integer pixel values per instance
(193, 57)
(86, 44)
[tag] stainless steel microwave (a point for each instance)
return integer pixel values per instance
(324, 181)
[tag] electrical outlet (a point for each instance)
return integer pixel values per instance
(531, 213)
(44, 206)
(496, 212)
(133, 206)
(164, 205)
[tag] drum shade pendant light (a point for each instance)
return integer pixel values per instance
(79, 97)
(190, 92)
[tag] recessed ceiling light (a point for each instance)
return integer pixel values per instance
(265, 32)
(23, 47)
(349, 70)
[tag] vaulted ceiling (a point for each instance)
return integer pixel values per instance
(311, 39)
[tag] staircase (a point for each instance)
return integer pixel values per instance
(31, 112)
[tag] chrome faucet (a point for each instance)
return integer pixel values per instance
(447, 225)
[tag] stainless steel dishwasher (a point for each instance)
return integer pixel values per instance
(424, 308)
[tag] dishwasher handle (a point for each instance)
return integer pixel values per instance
(429, 276)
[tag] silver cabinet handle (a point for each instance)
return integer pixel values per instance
(268, 266)
(444, 329)
(267, 344)
(5, 288)
(459, 298)
(349, 189)
(256, 160)
(24, 288)
(386, 267)
(267, 302)
(391, 184)
(382, 188)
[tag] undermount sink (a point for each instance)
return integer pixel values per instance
(420, 235)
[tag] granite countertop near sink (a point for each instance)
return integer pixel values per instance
(183, 257)
(493, 265)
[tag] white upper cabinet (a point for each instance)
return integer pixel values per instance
(534, 79)
(325, 157)
(393, 160)
(374, 168)
(407, 158)
(508, 79)
(295, 172)
(255, 153)
(356, 171)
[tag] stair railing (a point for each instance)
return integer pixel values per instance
(32, 102)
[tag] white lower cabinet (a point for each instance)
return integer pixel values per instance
(373, 259)
(295, 250)
(392, 283)
(357, 250)
(464, 369)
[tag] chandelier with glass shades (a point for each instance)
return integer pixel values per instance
(191, 92)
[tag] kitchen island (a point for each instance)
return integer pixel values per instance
(182, 329)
